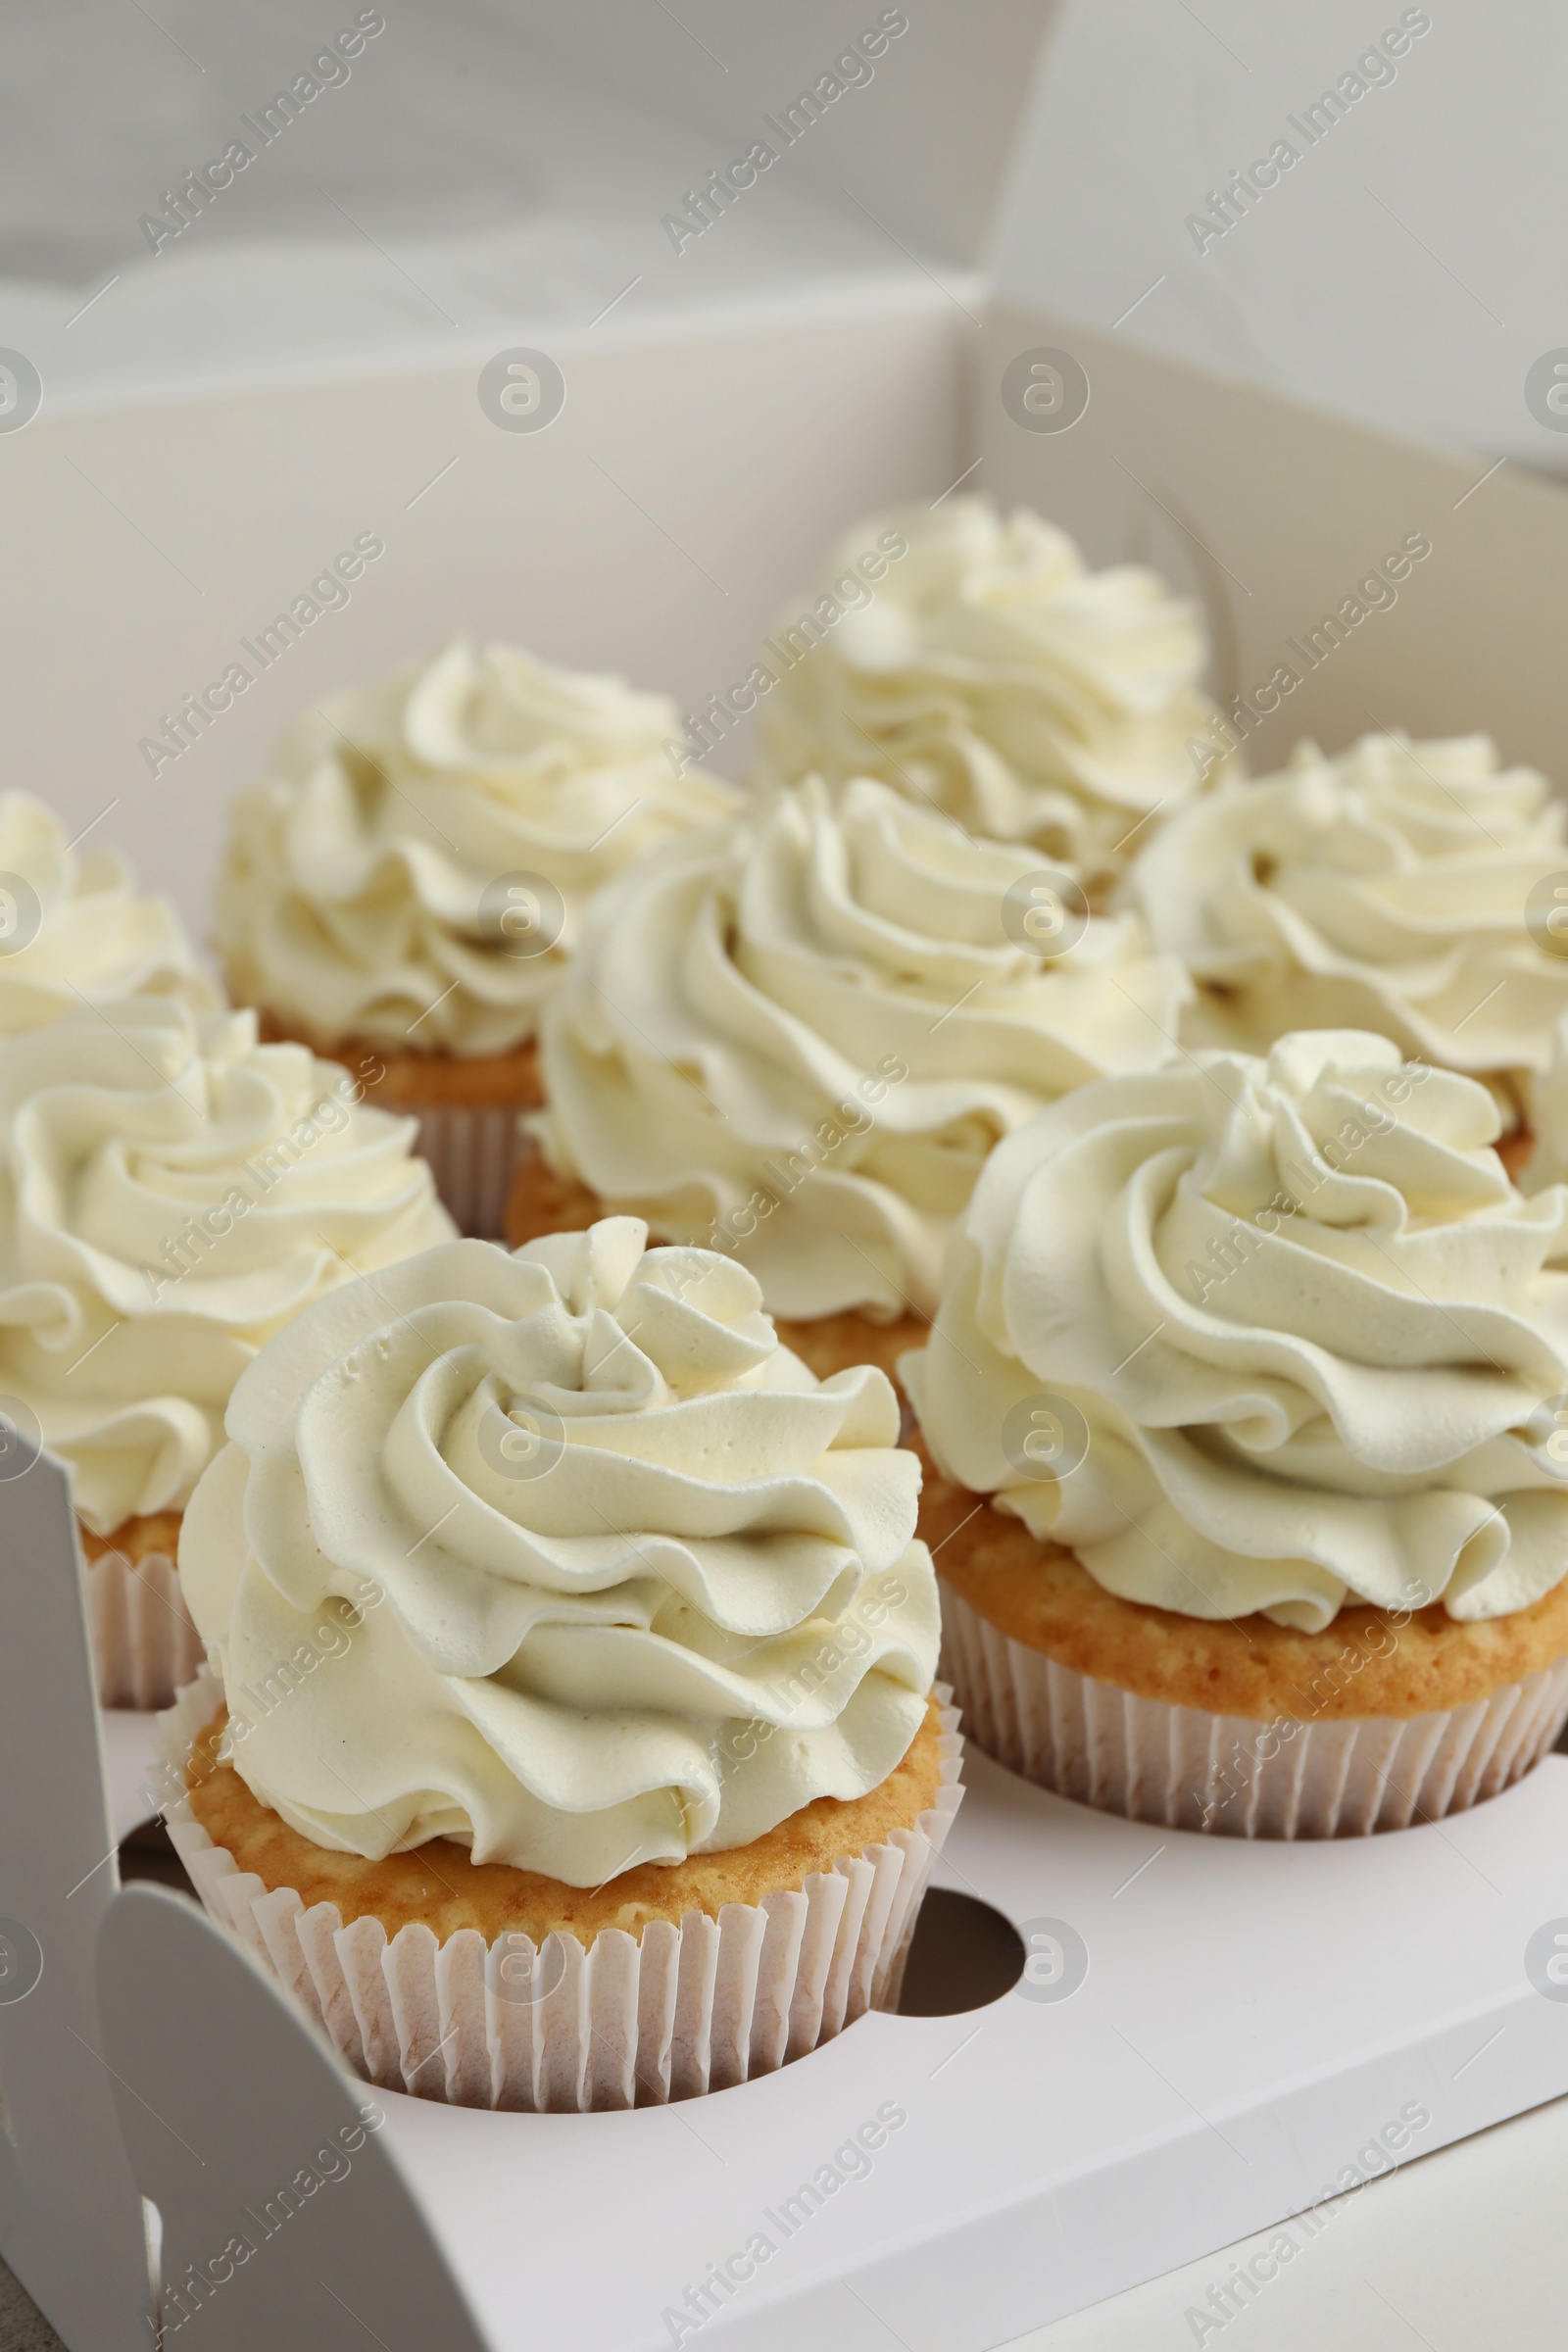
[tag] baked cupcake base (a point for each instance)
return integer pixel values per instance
(539, 1201)
(1514, 1150)
(1238, 1729)
(467, 1112)
(835, 1343)
(144, 1646)
(489, 1986)
(542, 1202)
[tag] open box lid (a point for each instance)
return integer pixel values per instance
(468, 176)
(1394, 248)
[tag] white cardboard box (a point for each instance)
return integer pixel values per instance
(1253, 2020)
(1252, 2016)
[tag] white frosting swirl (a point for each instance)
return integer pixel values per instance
(352, 902)
(1317, 1341)
(802, 1034)
(76, 929)
(992, 672)
(705, 1610)
(171, 1193)
(1384, 889)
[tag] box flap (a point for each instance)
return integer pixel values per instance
(65, 2183)
(233, 200)
(931, 154)
(1353, 206)
(285, 2214)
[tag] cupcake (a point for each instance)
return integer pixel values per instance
(577, 1744)
(1388, 889)
(796, 1038)
(406, 881)
(977, 662)
(172, 1193)
(73, 930)
(1260, 1369)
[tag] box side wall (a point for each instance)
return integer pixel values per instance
(1281, 517)
(682, 497)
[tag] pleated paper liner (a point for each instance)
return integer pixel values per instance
(144, 1646)
(472, 1153)
(626, 2021)
(1181, 1768)
(469, 1114)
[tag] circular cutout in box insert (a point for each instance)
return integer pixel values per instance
(965, 1954)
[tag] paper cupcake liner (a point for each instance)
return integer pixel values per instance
(1184, 1769)
(144, 1646)
(626, 2021)
(472, 1153)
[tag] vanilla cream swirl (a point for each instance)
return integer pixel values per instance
(171, 1193)
(992, 672)
(1316, 1340)
(1384, 889)
(72, 926)
(353, 899)
(624, 1581)
(800, 1037)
